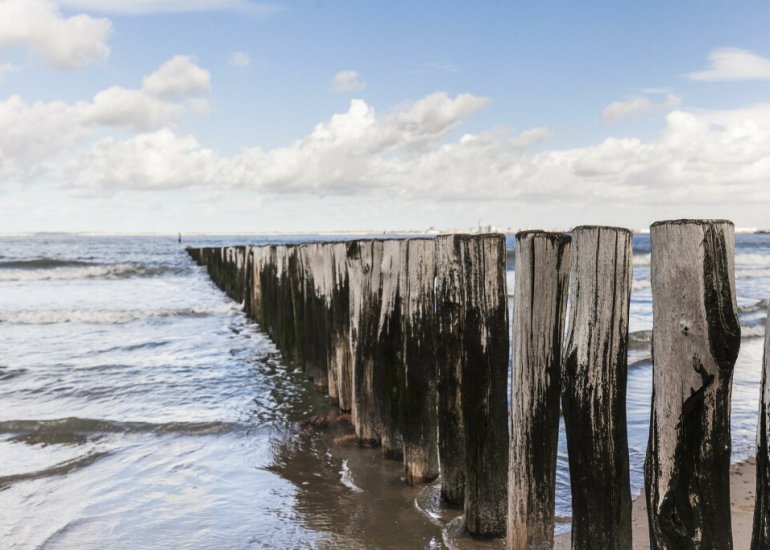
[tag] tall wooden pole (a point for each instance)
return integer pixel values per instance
(760, 537)
(484, 383)
(594, 387)
(540, 300)
(696, 337)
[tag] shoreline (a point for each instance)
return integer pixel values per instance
(742, 487)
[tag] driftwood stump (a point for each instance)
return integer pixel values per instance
(696, 337)
(594, 376)
(760, 536)
(540, 299)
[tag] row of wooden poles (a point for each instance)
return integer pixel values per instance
(412, 336)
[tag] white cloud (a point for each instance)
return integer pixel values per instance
(700, 157)
(637, 105)
(66, 126)
(729, 64)
(239, 60)
(61, 42)
(145, 7)
(178, 78)
(348, 81)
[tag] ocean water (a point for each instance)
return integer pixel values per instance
(139, 408)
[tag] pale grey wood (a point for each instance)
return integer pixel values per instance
(594, 374)
(696, 338)
(540, 298)
(418, 392)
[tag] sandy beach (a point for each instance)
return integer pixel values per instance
(742, 486)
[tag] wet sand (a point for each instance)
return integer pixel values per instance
(742, 487)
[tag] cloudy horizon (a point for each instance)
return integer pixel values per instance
(237, 116)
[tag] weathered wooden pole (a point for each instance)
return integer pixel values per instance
(696, 337)
(364, 264)
(760, 536)
(388, 367)
(540, 299)
(449, 314)
(340, 333)
(484, 383)
(594, 376)
(314, 317)
(418, 396)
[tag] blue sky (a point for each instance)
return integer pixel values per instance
(300, 116)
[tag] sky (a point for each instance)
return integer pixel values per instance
(237, 116)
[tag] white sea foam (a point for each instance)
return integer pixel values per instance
(102, 317)
(66, 273)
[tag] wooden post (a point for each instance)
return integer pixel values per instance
(364, 264)
(540, 299)
(418, 396)
(594, 387)
(388, 370)
(483, 384)
(696, 337)
(314, 318)
(449, 313)
(340, 327)
(760, 536)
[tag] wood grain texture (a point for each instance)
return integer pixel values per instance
(696, 338)
(484, 383)
(760, 536)
(594, 374)
(449, 315)
(540, 298)
(418, 392)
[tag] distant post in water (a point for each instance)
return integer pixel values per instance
(696, 337)
(484, 383)
(540, 300)
(418, 390)
(449, 312)
(594, 378)
(760, 536)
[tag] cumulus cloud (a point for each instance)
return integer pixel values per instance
(637, 105)
(67, 126)
(179, 77)
(698, 158)
(146, 7)
(61, 42)
(239, 60)
(729, 64)
(348, 81)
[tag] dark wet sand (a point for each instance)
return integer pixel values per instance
(742, 487)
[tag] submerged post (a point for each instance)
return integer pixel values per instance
(696, 337)
(540, 300)
(483, 384)
(760, 535)
(449, 312)
(418, 392)
(594, 387)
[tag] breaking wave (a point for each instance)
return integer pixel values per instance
(48, 269)
(102, 317)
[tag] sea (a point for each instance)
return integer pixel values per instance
(140, 409)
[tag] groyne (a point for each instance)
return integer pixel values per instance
(412, 337)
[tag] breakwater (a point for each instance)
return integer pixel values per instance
(406, 335)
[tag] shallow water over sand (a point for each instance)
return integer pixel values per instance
(140, 409)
